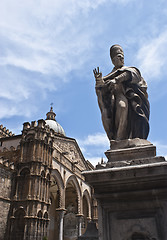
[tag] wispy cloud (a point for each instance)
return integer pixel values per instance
(44, 37)
(94, 146)
(152, 57)
(41, 43)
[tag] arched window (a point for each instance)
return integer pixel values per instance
(48, 177)
(23, 184)
(39, 215)
(46, 215)
(43, 174)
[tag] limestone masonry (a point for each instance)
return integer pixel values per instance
(43, 194)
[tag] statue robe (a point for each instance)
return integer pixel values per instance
(135, 91)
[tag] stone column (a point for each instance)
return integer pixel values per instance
(80, 218)
(38, 184)
(29, 187)
(35, 228)
(17, 188)
(61, 212)
(25, 229)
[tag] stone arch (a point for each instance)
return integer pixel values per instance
(23, 183)
(58, 178)
(46, 140)
(39, 214)
(24, 170)
(19, 210)
(29, 137)
(88, 198)
(45, 215)
(43, 174)
(57, 202)
(74, 180)
(19, 224)
(50, 143)
(48, 176)
(39, 224)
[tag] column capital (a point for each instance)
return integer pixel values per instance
(61, 209)
(79, 215)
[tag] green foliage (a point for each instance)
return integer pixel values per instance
(45, 238)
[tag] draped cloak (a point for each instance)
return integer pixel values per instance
(135, 91)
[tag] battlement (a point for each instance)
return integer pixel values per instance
(40, 124)
(6, 163)
(5, 132)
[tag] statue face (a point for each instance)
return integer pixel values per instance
(118, 60)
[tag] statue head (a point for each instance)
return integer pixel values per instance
(117, 55)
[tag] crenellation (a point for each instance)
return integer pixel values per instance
(26, 126)
(33, 124)
(41, 123)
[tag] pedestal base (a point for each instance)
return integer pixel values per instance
(132, 199)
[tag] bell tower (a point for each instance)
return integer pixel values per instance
(31, 202)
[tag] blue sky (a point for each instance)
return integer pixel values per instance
(48, 49)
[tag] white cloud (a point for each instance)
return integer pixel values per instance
(49, 38)
(152, 56)
(95, 160)
(98, 139)
(45, 36)
(161, 149)
(94, 146)
(41, 42)
(8, 109)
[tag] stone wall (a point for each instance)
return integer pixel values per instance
(5, 195)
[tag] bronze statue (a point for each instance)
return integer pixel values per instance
(123, 100)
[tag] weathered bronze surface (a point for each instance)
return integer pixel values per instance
(123, 100)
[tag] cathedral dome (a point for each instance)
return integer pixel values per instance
(52, 123)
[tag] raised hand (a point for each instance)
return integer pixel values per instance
(97, 74)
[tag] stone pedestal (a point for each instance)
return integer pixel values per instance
(131, 190)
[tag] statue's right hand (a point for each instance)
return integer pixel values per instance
(97, 74)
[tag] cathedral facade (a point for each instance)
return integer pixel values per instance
(43, 194)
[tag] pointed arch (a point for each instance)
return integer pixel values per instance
(75, 182)
(59, 181)
(39, 214)
(88, 199)
(23, 183)
(19, 224)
